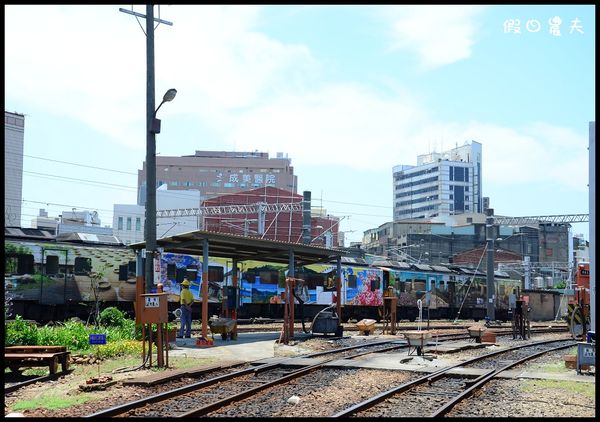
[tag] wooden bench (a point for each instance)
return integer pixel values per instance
(16, 357)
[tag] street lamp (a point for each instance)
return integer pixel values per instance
(154, 128)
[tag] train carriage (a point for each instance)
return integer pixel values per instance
(47, 279)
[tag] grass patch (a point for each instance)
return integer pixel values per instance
(586, 388)
(573, 351)
(49, 401)
(558, 367)
(66, 393)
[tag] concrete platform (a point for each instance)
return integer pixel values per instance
(248, 347)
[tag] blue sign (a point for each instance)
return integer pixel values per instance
(97, 338)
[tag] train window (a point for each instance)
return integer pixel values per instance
(131, 267)
(82, 265)
(192, 274)
(328, 282)
(249, 276)
(51, 265)
(419, 285)
(181, 274)
(123, 272)
(215, 273)
(171, 271)
(269, 277)
(351, 281)
(375, 284)
(25, 264)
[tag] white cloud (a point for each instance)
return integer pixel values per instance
(438, 34)
(260, 93)
(340, 124)
(536, 153)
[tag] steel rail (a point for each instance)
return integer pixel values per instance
(198, 385)
(43, 378)
(177, 391)
(488, 376)
(368, 403)
(292, 375)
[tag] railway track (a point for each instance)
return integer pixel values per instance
(435, 394)
(218, 390)
(11, 386)
(221, 390)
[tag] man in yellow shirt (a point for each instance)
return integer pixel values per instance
(186, 300)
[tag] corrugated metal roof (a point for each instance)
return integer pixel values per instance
(28, 232)
(244, 248)
(351, 260)
(422, 267)
(89, 238)
(441, 269)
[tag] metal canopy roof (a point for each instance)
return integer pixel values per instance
(242, 248)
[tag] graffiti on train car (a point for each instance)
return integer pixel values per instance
(61, 273)
(66, 273)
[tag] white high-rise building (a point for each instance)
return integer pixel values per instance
(14, 136)
(445, 183)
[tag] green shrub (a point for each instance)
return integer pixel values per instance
(20, 333)
(112, 317)
(74, 335)
(125, 332)
(119, 348)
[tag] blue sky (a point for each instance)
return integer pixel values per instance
(346, 91)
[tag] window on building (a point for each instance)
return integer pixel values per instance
(120, 224)
(466, 189)
(138, 224)
(128, 223)
(451, 196)
(466, 198)
(466, 208)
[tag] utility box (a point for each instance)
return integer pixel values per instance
(586, 355)
(152, 309)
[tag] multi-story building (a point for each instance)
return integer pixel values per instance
(440, 184)
(216, 173)
(14, 137)
(43, 222)
(274, 224)
(129, 219)
(86, 222)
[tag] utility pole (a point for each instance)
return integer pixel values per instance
(491, 291)
(592, 227)
(151, 131)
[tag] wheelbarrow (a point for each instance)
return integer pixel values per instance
(227, 327)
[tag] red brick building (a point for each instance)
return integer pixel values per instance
(279, 224)
(474, 256)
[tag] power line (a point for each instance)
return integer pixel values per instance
(78, 180)
(77, 164)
